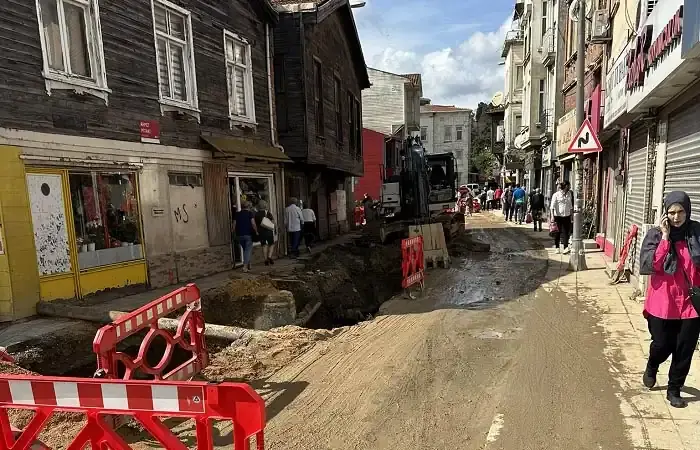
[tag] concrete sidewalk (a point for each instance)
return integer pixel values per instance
(653, 424)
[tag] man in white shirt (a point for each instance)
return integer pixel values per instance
(489, 199)
(309, 229)
(293, 219)
(561, 209)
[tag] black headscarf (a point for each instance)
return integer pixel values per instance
(690, 231)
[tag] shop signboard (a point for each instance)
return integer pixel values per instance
(655, 52)
(546, 155)
(615, 89)
(566, 127)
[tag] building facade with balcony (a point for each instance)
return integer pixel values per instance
(534, 24)
(512, 52)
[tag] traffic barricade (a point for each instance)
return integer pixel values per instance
(146, 401)
(189, 336)
(624, 253)
(412, 262)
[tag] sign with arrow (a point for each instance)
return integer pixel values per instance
(585, 140)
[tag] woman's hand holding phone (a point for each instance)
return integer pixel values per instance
(665, 227)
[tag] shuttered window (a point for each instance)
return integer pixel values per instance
(176, 75)
(239, 73)
(72, 42)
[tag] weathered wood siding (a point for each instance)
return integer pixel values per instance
(289, 86)
(127, 34)
(329, 42)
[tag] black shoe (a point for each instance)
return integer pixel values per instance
(649, 378)
(272, 262)
(674, 397)
(267, 262)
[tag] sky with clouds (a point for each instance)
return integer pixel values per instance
(455, 44)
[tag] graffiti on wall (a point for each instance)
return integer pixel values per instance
(181, 214)
(49, 223)
(188, 219)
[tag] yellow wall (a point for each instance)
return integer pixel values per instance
(18, 267)
(623, 26)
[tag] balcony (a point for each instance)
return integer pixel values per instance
(545, 124)
(548, 50)
(513, 37)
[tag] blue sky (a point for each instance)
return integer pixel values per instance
(455, 45)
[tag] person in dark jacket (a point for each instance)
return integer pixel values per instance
(267, 235)
(670, 255)
(536, 208)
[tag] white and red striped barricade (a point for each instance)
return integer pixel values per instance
(412, 262)
(145, 401)
(189, 336)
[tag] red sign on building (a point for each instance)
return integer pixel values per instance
(150, 131)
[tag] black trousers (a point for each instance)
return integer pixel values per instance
(564, 224)
(536, 218)
(675, 338)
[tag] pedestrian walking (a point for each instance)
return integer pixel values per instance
(508, 203)
(309, 227)
(536, 208)
(490, 199)
(265, 222)
(670, 254)
(293, 220)
(244, 228)
(497, 197)
(519, 197)
(561, 208)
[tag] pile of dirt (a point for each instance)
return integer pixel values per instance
(237, 302)
(264, 354)
(61, 427)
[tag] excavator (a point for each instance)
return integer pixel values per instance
(422, 192)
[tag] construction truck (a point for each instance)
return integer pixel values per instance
(422, 192)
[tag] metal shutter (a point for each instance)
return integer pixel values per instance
(683, 153)
(635, 189)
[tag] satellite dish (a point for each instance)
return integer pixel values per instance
(573, 9)
(497, 99)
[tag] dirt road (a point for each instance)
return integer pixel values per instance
(485, 359)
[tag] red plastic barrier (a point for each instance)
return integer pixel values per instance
(146, 317)
(146, 401)
(412, 263)
(624, 251)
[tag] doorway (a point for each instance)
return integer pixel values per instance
(253, 188)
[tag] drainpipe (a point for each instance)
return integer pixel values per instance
(273, 118)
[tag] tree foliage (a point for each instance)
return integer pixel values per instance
(484, 161)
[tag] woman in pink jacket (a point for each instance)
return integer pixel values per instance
(670, 254)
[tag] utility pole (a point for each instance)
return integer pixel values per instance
(578, 256)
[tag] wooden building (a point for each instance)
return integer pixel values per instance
(320, 73)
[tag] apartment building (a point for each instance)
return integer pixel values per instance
(513, 54)
(448, 129)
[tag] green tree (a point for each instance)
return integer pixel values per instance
(483, 160)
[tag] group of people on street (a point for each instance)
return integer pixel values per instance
(258, 225)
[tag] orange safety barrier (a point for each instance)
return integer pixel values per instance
(145, 401)
(412, 262)
(189, 336)
(624, 251)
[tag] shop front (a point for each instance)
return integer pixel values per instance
(87, 229)
(565, 133)
(637, 187)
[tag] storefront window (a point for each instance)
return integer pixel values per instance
(106, 218)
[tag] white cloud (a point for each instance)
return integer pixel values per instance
(462, 74)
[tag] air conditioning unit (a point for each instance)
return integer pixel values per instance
(600, 31)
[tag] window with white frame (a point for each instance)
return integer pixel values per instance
(71, 42)
(239, 73)
(176, 73)
(459, 129)
(424, 134)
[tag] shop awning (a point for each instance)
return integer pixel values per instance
(227, 147)
(567, 157)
